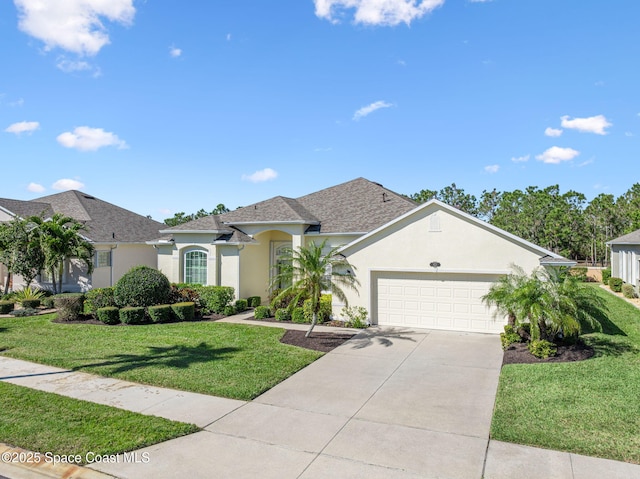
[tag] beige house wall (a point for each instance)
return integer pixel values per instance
(433, 234)
(123, 257)
(625, 263)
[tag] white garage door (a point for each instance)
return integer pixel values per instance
(436, 301)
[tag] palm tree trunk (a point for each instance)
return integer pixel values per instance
(313, 323)
(6, 285)
(60, 273)
(53, 279)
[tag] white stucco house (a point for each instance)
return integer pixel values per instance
(418, 265)
(118, 235)
(625, 258)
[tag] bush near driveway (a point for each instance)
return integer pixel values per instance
(142, 286)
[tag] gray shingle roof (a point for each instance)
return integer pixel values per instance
(24, 209)
(206, 223)
(631, 238)
(359, 206)
(105, 222)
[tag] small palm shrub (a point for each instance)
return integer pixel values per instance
(184, 311)
(542, 349)
(69, 306)
(628, 291)
(6, 307)
(27, 294)
(108, 315)
(615, 284)
(283, 314)
(132, 315)
(261, 312)
(142, 286)
(160, 313)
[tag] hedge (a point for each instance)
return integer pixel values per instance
(254, 301)
(628, 291)
(261, 312)
(297, 315)
(109, 315)
(283, 314)
(215, 299)
(160, 313)
(98, 298)
(324, 314)
(241, 305)
(132, 315)
(184, 311)
(6, 307)
(142, 286)
(606, 274)
(615, 284)
(69, 306)
(30, 303)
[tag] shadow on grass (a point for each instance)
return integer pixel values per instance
(608, 326)
(383, 337)
(611, 346)
(180, 357)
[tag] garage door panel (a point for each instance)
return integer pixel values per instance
(424, 300)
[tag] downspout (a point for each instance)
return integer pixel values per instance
(111, 264)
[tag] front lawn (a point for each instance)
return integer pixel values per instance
(48, 423)
(590, 407)
(228, 360)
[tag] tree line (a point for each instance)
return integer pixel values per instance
(565, 223)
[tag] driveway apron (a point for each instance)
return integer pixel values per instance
(390, 403)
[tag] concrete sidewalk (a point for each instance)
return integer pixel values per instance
(390, 403)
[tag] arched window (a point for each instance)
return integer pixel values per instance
(195, 267)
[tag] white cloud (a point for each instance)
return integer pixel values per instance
(593, 124)
(553, 132)
(84, 138)
(588, 162)
(18, 102)
(556, 154)
(175, 52)
(521, 159)
(35, 187)
(228, 37)
(628, 133)
(367, 110)
(492, 168)
(376, 12)
(23, 127)
(73, 25)
(261, 175)
(69, 66)
(65, 184)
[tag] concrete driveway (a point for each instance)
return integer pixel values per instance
(391, 403)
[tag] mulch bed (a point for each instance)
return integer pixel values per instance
(324, 342)
(519, 354)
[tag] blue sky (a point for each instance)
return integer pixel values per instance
(168, 106)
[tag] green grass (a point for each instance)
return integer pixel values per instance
(228, 360)
(589, 407)
(48, 423)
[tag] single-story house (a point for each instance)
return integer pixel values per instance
(418, 265)
(625, 258)
(118, 235)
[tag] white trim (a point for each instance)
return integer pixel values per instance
(349, 233)
(10, 213)
(455, 212)
(195, 249)
(217, 232)
(441, 271)
(295, 222)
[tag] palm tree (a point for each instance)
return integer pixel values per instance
(502, 294)
(308, 272)
(61, 239)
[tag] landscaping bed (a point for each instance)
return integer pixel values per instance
(518, 353)
(324, 342)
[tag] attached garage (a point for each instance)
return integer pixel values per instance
(430, 268)
(434, 301)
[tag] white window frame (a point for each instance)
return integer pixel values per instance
(100, 256)
(185, 277)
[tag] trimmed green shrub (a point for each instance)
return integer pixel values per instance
(97, 298)
(47, 302)
(324, 314)
(298, 316)
(215, 299)
(254, 301)
(356, 317)
(241, 305)
(30, 303)
(23, 313)
(229, 310)
(184, 311)
(615, 284)
(6, 307)
(285, 301)
(628, 291)
(542, 349)
(184, 294)
(142, 286)
(606, 274)
(283, 314)
(108, 315)
(132, 315)
(160, 313)
(509, 337)
(262, 312)
(69, 306)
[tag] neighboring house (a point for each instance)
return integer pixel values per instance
(418, 265)
(118, 235)
(625, 258)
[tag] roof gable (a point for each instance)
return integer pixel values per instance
(631, 238)
(24, 209)
(279, 209)
(206, 224)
